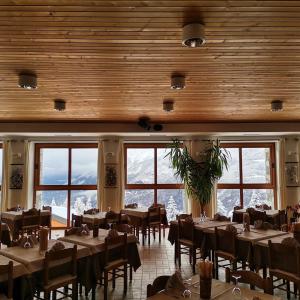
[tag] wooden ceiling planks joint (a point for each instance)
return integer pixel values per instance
(112, 60)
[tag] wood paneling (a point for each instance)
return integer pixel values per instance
(112, 60)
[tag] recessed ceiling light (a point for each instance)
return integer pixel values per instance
(276, 105)
(59, 105)
(27, 81)
(177, 82)
(168, 105)
(193, 35)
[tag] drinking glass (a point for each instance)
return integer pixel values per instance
(236, 291)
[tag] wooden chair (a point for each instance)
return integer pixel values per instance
(252, 278)
(263, 206)
(67, 274)
(48, 208)
(154, 221)
(115, 253)
(91, 211)
(111, 217)
(284, 264)
(158, 285)
(7, 271)
(237, 207)
(186, 242)
(76, 220)
(183, 216)
(225, 248)
(131, 205)
(256, 215)
(30, 222)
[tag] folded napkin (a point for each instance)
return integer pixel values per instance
(175, 282)
(113, 233)
(231, 228)
(258, 224)
(57, 247)
(290, 242)
(28, 241)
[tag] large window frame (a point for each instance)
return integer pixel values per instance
(153, 186)
(241, 186)
(68, 187)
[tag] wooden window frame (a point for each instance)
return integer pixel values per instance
(242, 186)
(152, 186)
(68, 187)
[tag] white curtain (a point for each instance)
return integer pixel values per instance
(280, 157)
(120, 195)
(27, 191)
(5, 175)
(100, 177)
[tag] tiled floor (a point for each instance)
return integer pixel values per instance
(158, 259)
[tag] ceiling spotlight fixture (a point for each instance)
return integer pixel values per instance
(59, 105)
(27, 81)
(193, 35)
(158, 127)
(168, 105)
(177, 82)
(276, 105)
(144, 123)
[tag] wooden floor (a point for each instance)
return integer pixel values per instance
(158, 259)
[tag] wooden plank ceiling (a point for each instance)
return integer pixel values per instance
(112, 60)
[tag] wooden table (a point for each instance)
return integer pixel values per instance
(220, 290)
(272, 215)
(13, 220)
(138, 218)
(98, 218)
(18, 268)
(33, 259)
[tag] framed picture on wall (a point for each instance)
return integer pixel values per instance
(111, 177)
(292, 174)
(16, 176)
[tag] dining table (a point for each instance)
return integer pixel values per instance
(14, 219)
(219, 291)
(139, 217)
(272, 215)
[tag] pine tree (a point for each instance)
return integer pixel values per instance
(171, 209)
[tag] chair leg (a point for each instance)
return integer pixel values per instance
(114, 278)
(74, 290)
(159, 233)
(46, 295)
(80, 289)
(125, 279)
(105, 285)
(164, 231)
(288, 289)
(149, 235)
(130, 273)
(194, 260)
(54, 295)
(216, 267)
(179, 255)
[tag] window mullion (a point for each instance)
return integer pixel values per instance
(155, 175)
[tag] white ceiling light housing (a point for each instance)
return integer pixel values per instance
(168, 105)
(177, 82)
(193, 35)
(59, 105)
(27, 81)
(276, 105)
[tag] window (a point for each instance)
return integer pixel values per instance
(150, 178)
(250, 178)
(66, 179)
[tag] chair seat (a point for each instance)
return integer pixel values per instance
(58, 282)
(285, 275)
(226, 255)
(115, 264)
(186, 242)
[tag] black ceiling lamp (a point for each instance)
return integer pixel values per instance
(27, 81)
(59, 104)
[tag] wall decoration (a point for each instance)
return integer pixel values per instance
(292, 174)
(16, 176)
(111, 175)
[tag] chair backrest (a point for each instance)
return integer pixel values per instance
(251, 278)
(6, 274)
(112, 217)
(237, 207)
(183, 216)
(91, 211)
(115, 248)
(31, 218)
(76, 220)
(291, 255)
(158, 285)
(154, 214)
(256, 215)
(131, 205)
(54, 259)
(123, 228)
(186, 230)
(281, 218)
(225, 240)
(47, 207)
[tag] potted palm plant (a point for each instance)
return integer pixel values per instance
(200, 176)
